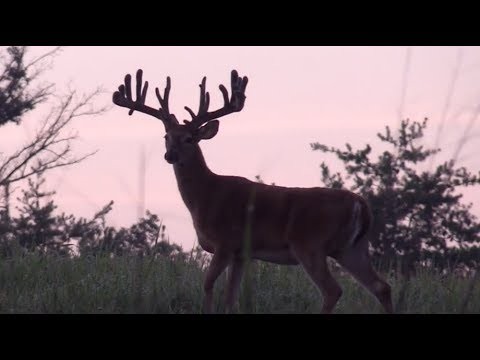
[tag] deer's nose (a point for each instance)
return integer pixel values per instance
(171, 156)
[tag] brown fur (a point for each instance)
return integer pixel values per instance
(287, 225)
(235, 217)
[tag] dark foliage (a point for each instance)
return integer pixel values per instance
(419, 216)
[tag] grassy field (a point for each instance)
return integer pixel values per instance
(40, 284)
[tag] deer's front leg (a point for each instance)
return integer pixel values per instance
(218, 264)
(235, 272)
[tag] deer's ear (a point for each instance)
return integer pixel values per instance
(208, 131)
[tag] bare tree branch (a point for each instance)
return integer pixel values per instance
(42, 167)
(42, 57)
(50, 148)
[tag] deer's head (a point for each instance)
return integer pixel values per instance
(181, 140)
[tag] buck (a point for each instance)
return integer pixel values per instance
(289, 226)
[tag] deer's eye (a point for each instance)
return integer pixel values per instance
(189, 140)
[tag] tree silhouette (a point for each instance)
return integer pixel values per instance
(418, 215)
(51, 145)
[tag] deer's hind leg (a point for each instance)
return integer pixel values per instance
(357, 262)
(315, 265)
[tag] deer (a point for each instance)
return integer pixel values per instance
(286, 225)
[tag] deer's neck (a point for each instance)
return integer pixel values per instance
(193, 178)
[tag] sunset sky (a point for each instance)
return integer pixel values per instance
(295, 96)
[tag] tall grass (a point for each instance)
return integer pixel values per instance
(44, 284)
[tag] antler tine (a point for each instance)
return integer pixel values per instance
(203, 106)
(123, 97)
(164, 102)
(234, 104)
(164, 109)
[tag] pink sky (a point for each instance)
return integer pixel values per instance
(295, 96)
